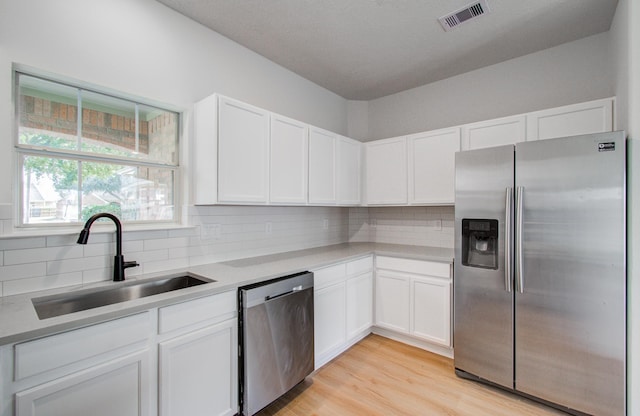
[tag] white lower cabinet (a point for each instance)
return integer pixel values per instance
(198, 372)
(342, 307)
(411, 298)
(330, 319)
(413, 301)
(103, 369)
(117, 387)
(180, 359)
(359, 304)
(198, 357)
(392, 301)
(431, 309)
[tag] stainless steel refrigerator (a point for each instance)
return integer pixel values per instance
(540, 270)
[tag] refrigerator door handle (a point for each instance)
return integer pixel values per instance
(508, 244)
(518, 245)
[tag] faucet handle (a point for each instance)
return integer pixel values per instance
(119, 265)
(128, 264)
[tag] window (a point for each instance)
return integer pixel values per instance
(81, 152)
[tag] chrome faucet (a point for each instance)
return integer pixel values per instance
(118, 262)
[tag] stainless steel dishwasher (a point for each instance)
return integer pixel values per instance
(275, 337)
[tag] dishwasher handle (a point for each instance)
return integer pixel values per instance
(262, 292)
(271, 297)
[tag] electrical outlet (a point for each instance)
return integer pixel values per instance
(325, 224)
(210, 232)
(268, 228)
(437, 225)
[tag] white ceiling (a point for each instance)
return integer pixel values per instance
(366, 49)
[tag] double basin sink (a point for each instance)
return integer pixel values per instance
(56, 305)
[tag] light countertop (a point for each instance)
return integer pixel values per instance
(19, 322)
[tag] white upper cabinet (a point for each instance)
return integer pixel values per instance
(349, 170)
(322, 167)
(246, 155)
(432, 166)
(584, 118)
(205, 152)
(288, 161)
(387, 171)
(243, 152)
(497, 132)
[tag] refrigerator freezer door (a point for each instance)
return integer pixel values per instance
(570, 316)
(483, 299)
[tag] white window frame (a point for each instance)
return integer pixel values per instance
(21, 150)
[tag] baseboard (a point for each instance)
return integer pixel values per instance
(409, 340)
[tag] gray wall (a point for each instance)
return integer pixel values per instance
(566, 74)
(146, 49)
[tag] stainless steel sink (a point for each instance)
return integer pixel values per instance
(56, 305)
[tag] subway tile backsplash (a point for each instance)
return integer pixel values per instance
(418, 226)
(216, 233)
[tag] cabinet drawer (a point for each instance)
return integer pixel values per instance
(429, 268)
(360, 266)
(44, 354)
(329, 275)
(221, 306)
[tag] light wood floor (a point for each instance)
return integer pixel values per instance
(379, 376)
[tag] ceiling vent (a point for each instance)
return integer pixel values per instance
(470, 11)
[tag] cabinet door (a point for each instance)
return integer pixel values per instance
(432, 310)
(387, 171)
(392, 301)
(359, 304)
(243, 150)
(288, 161)
(348, 171)
(432, 166)
(329, 321)
(584, 118)
(490, 133)
(198, 372)
(322, 167)
(205, 151)
(118, 387)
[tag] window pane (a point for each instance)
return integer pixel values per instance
(49, 190)
(47, 114)
(48, 117)
(98, 140)
(132, 193)
(109, 126)
(161, 129)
